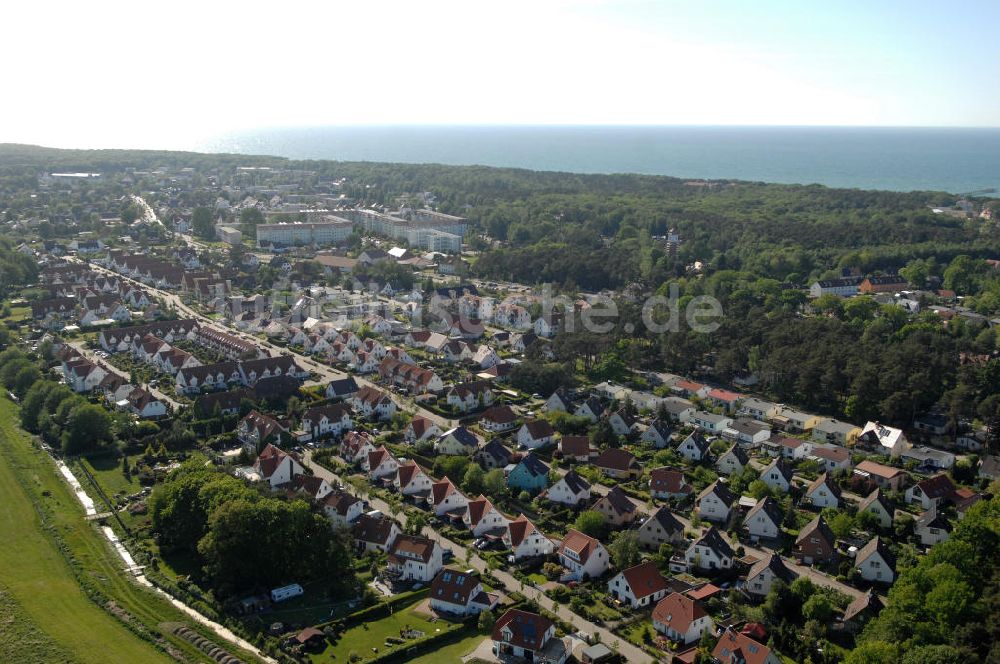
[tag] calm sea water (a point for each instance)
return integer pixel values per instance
(901, 159)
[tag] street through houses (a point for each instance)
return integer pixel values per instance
(629, 651)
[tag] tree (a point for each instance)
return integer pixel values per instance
(473, 482)
(203, 223)
(495, 483)
(591, 522)
(486, 621)
(818, 608)
(87, 428)
(624, 549)
(24, 379)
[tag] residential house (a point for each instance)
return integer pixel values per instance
(777, 475)
(880, 439)
(861, 610)
(678, 410)
(748, 432)
(657, 434)
(457, 442)
(482, 517)
(525, 541)
(661, 528)
(420, 429)
(823, 492)
(794, 421)
(787, 448)
(592, 409)
(883, 284)
(576, 448)
(446, 499)
(694, 448)
(535, 434)
(571, 489)
(736, 648)
(682, 619)
(355, 448)
(583, 556)
(619, 464)
(373, 404)
(710, 552)
(530, 474)
(559, 401)
(928, 458)
(732, 461)
(468, 397)
(878, 505)
(931, 492)
(816, 543)
(414, 558)
(412, 480)
(329, 420)
(882, 476)
(835, 432)
(523, 635)
(638, 586)
(668, 484)
(257, 430)
(765, 572)
(616, 507)
(724, 399)
(875, 562)
(932, 527)
(688, 388)
(844, 287)
(715, 502)
(276, 467)
(344, 388)
(758, 409)
(711, 422)
(493, 455)
(342, 508)
(382, 464)
(831, 458)
(460, 593)
(763, 521)
(498, 419)
(622, 423)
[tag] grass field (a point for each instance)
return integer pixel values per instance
(362, 638)
(451, 654)
(44, 592)
(107, 470)
(20, 638)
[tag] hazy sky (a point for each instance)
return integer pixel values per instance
(144, 74)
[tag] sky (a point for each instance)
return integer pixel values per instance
(157, 75)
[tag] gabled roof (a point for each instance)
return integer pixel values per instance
(736, 647)
(817, 528)
(522, 629)
(876, 496)
(478, 508)
(878, 469)
(933, 519)
(618, 501)
(340, 501)
(782, 467)
(539, 429)
(777, 566)
(876, 545)
(533, 465)
(500, 415)
(699, 441)
(644, 579)
(520, 529)
(713, 539)
(821, 481)
(677, 612)
(575, 482)
(454, 586)
(580, 544)
(869, 603)
(374, 529)
(575, 445)
(668, 480)
(737, 451)
(407, 471)
(617, 459)
(768, 506)
(462, 435)
(496, 450)
(720, 490)
(413, 546)
(666, 519)
(937, 487)
(442, 489)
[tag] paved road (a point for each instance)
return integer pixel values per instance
(632, 653)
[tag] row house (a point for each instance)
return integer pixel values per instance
(326, 421)
(257, 430)
(120, 339)
(355, 447)
(412, 480)
(467, 397)
(525, 541)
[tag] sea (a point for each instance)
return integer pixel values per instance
(956, 160)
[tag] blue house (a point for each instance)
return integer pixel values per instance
(530, 475)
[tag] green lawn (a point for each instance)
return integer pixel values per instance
(362, 638)
(43, 594)
(43, 587)
(107, 470)
(452, 653)
(20, 638)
